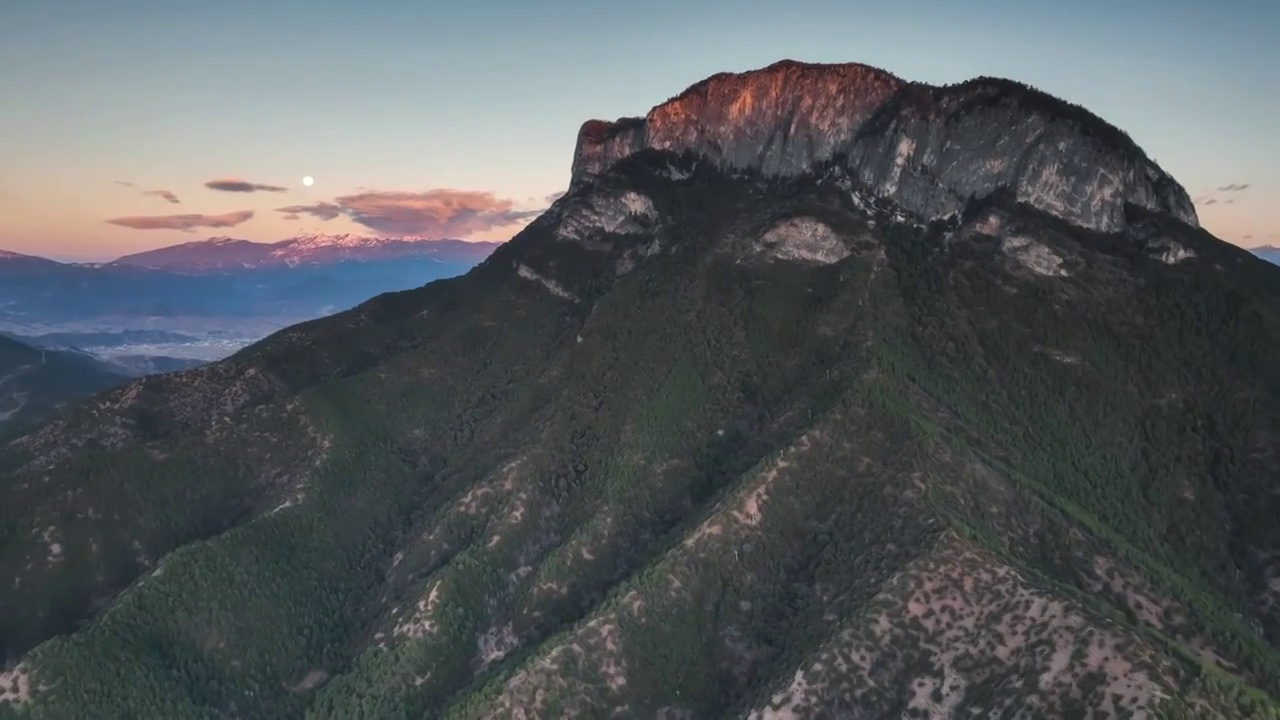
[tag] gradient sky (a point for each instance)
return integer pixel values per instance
(394, 106)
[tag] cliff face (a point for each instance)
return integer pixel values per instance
(929, 149)
(780, 119)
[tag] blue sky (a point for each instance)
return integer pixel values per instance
(386, 99)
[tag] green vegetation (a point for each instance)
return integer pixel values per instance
(35, 383)
(922, 475)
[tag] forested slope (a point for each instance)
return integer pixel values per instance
(694, 444)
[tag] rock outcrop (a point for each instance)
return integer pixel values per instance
(929, 149)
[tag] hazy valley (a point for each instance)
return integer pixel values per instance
(74, 329)
(203, 300)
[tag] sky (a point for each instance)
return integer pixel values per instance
(133, 124)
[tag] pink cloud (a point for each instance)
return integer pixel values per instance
(437, 213)
(320, 210)
(182, 222)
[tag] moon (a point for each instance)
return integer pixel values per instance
(308, 181)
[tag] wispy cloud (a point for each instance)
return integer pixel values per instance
(242, 186)
(1222, 195)
(291, 216)
(320, 210)
(167, 195)
(182, 222)
(437, 213)
(122, 182)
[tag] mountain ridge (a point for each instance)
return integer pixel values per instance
(35, 382)
(220, 287)
(925, 146)
(221, 253)
(312, 247)
(1271, 253)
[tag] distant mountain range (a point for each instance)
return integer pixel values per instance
(224, 253)
(68, 330)
(221, 292)
(1270, 253)
(103, 339)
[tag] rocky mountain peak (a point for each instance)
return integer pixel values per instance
(780, 118)
(929, 149)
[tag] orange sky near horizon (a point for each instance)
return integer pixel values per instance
(75, 228)
(118, 111)
(79, 232)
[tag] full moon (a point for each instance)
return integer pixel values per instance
(307, 181)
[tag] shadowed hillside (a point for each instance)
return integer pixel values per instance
(34, 382)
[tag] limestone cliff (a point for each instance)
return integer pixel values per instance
(930, 149)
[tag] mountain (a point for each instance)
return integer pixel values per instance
(706, 439)
(222, 253)
(38, 378)
(1270, 253)
(220, 293)
(929, 149)
(35, 382)
(103, 339)
(14, 264)
(139, 365)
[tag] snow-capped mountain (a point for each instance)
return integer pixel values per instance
(221, 287)
(224, 253)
